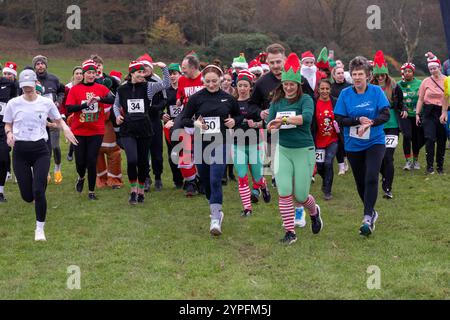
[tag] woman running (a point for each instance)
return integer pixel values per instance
(362, 110)
(292, 113)
(132, 108)
(398, 110)
(431, 97)
(215, 112)
(88, 101)
(248, 149)
(25, 127)
(412, 133)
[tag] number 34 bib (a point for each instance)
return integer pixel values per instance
(135, 105)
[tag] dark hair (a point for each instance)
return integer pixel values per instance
(326, 80)
(360, 63)
(193, 61)
(390, 85)
(276, 48)
(280, 94)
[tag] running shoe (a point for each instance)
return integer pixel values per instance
(79, 185)
(246, 213)
(289, 238)
(140, 198)
(408, 166)
(316, 221)
(430, 171)
(58, 177)
(255, 195)
(416, 165)
(388, 195)
(191, 189)
(216, 225)
(158, 185)
(92, 196)
(132, 200)
(39, 235)
(2, 198)
(266, 195)
(300, 221)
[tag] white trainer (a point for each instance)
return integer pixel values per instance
(39, 235)
(216, 226)
(300, 220)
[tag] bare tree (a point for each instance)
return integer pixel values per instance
(410, 43)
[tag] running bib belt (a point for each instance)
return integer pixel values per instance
(354, 133)
(320, 155)
(2, 108)
(287, 114)
(135, 105)
(213, 125)
(175, 111)
(93, 108)
(391, 141)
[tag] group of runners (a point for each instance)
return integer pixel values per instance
(281, 115)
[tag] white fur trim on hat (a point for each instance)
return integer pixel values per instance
(241, 65)
(14, 72)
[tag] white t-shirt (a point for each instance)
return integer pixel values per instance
(29, 119)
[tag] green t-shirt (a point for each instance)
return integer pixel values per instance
(294, 136)
(410, 95)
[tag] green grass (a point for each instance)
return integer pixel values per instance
(162, 249)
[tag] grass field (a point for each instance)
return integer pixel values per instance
(163, 250)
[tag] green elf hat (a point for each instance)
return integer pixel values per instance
(332, 63)
(240, 62)
(292, 69)
(380, 64)
(175, 67)
(322, 61)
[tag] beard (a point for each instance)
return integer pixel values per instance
(309, 73)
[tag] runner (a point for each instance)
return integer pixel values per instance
(54, 90)
(292, 112)
(398, 110)
(431, 97)
(25, 127)
(133, 100)
(7, 92)
(88, 102)
(249, 154)
(412, 133)
(311, 74)
(215, 112)
(362, 110)
(327, 136)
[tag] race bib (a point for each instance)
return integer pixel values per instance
(320, 155)
(2, 108)
(175, 111)
(391, 141)
(93, 108)
(287, 114)
(354, 133)
(213, 125)
(135, 105)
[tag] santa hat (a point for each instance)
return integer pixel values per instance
(89, 65)
(265, 67)
(379, 64)
(262, 57)
(136, 66)
(246, 75)
(240, 62)
(407, 65)
(432, 60)
(10, 67)
(255, 66)
(308, 55)
(322, 61)
(292, 69)
(116, 75)
(146, 59)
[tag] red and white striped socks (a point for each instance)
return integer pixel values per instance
(244, 191)
(310, 205)
(287, 212)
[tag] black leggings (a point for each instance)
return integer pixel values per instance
(86, 158)
(387, 167)
(340, 155)
(31, 161)
(137, 150)
(156, 149)
(5, 162)
(176, 172)
(435, 133)
(412, 134)
(366, 168)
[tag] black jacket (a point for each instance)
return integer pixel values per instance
(52, 86)
(8, 90)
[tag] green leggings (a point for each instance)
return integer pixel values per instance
(245, 155)
(294, 169)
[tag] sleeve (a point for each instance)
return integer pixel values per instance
(13, 92)
(398, 104)
(383, 101)
(180, 94)
(307, 111)
(8, 116)
(71, 103)
(116, 106)
(272, 112)
(188, 112)
(341, 113)
(382, 117)
(60, 93)
(155, 87)
(236, 113)
(53, 112)
(108, 99)
(422, 89)
(257, 97)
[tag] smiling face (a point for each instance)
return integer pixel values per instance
(174, 77)
(324, 90)
(138, 76)
(78, 76)
(339, 75)
(276, 62)
(290, 89)
(226, 83)
(188, 70)
(381, 78)
(212, 82)
(90, 76)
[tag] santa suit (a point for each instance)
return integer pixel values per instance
(109, 161)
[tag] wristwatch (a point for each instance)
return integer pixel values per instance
(285, 120)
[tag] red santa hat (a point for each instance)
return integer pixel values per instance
(308, 55)
(432, 60)
(116, 74)
(146, 59)
(407, 65)
(10, 67)
(255, 66)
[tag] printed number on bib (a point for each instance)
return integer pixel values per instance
(287, 114)
(2, 108)
(354, 133)
(213, 125)
(391, 141)
(135, 105)
(320, 155)
(175, 111)
(93, 108)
